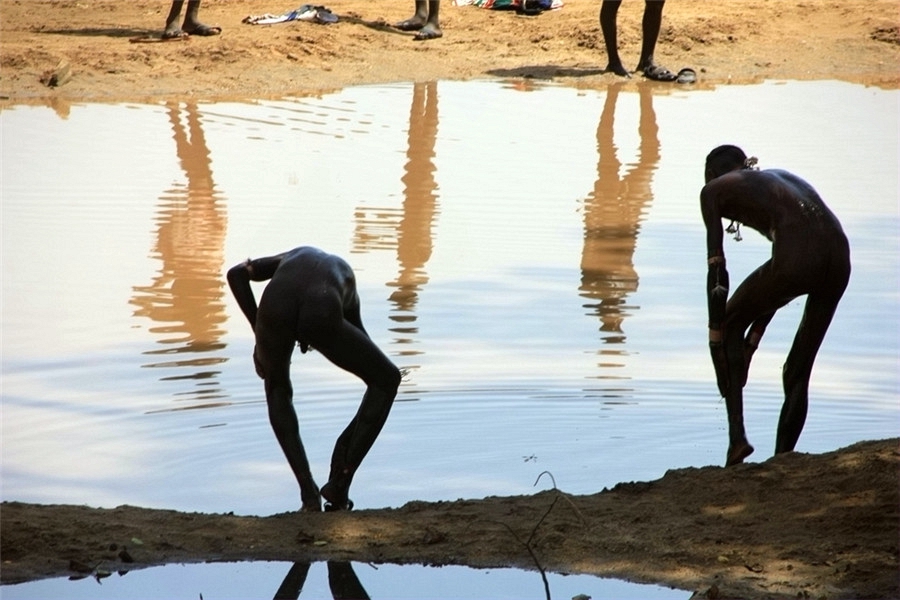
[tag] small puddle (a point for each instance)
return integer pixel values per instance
(280, 580)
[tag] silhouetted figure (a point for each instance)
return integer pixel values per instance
(425, 21)
(650, 25)
(191, 24)
(311, 300)
(810, 255)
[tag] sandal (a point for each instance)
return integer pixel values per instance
(686, 75)
(657, 73)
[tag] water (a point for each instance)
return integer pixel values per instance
(217, 581)
(533, 259)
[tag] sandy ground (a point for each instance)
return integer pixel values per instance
(86, 43)
(808, 526)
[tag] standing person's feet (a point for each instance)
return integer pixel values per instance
(201, 29)
(335, 499)
(618, 68)
(737, 453)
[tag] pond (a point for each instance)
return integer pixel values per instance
(531, 256)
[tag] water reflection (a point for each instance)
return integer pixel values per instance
(409, 228)
(342, 581)
(612, 217)
(185, 300)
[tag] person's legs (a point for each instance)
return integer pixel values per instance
(275, 326)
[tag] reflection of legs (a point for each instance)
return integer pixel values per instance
(352, 350)
(798, 367)
(293, 582)
(343, 582)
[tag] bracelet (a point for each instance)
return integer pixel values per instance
(716, 260)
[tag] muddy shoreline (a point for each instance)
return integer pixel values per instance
(85, 47)
(823, 525)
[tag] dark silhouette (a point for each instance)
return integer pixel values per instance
(810, 255)
(311, 300)
(191, 24)
(425, 21)
(342, 581)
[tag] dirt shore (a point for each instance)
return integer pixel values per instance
(84, 47)
(817, 526)
(797, 525)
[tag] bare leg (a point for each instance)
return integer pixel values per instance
(352, 350)
(272, 356)
(798, 368)
(192, 24)
(650, 25)
(738, 446)
(172, 30)
(608, 11)
(751, 342)
(287, 431)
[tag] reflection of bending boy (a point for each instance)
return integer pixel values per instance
(312, 301)
(810, 255)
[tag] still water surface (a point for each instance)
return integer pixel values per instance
(532, 258)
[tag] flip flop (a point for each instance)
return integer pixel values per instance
(686, 75)
(325, 16)
(319, 14)
(657, 73)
